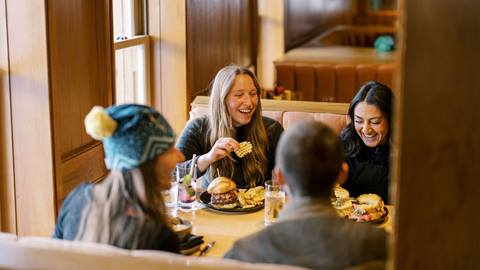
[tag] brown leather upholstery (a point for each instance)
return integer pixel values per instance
(330, 82)
(346, 82)
(365, 73)
(385, 74)
(325, 83)
(306, 82)
(287, 73)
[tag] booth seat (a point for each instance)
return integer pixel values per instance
(53, 254)
(287, 112)
(332, 66)
(330, 82)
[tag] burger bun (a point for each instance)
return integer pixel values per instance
(221, 185)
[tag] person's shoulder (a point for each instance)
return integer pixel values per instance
(81, 191)
(271, 124)
(198, 121)
(267, 121)
(365, 232)
(249, 247)
(195, 125)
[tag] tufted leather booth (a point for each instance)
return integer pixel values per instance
(330, 82)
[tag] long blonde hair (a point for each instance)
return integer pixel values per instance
(221, 125)
(123, 195)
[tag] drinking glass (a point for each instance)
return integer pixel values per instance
(199, 189)
(186, 191)
(274, 201)
(170, 196)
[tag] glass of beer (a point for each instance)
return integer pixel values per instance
(274, 200)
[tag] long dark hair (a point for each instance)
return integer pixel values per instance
(373, 93)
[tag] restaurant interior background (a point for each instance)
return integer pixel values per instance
(46, 89)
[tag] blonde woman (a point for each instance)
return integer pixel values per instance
(126, 209)
(235, 116)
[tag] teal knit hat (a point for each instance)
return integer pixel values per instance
(132, 134)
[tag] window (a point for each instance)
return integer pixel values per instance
(132, 57)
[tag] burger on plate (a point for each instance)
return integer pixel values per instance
(223, 193)
(370, 207)
(341, 201)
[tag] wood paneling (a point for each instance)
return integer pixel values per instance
(219, 33)
(305, 19)
(60, 65)
(78, 28)
(438, 138)
(7, 185)
(87, 165)
(31, 126)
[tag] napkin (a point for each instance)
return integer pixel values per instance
(190, 244)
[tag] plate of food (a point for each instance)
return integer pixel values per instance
(223, 196)
(366, 208)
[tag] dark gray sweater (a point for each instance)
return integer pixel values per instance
(310, 234)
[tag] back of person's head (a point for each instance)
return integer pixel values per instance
(373, 93)
(310, 157)
(132, 134)
(133, 137)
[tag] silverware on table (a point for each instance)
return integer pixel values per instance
(205, 249)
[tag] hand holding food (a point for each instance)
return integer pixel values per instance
(222, 148)
(244, 149)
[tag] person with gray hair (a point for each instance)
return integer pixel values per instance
(126, 209)
(308, 231)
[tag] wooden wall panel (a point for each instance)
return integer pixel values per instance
(438, 138)
(31, 127)
(305, 19)
(87, 165)
(7, 185)
(78, 28)
(218, 33)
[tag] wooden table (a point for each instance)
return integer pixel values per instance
(225, 229)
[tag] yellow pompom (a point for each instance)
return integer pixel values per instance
(99, 124)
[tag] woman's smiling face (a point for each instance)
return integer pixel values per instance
(242, 100)
(370, 124)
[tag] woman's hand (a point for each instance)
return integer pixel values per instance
(222, 148)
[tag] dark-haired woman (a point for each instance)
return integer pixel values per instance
(367, 141)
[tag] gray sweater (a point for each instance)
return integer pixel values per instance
(310, 234)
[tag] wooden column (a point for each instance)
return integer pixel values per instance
(60, 65)
(7, 187)
(437, 128)
(31, 126)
